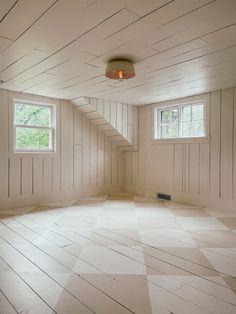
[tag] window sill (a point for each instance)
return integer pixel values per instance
(187, 140)
(31, 152)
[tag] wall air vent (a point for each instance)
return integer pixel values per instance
(163, 196)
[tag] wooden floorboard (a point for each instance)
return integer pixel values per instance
(123, 254)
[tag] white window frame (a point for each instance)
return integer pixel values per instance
(52, 127)
(178, 104)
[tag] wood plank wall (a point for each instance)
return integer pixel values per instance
(86, 162)
(119, 121)
(199, 172)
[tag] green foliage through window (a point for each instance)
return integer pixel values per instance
(32, 115)
(33, 127)
(182, 121)
(32, 138)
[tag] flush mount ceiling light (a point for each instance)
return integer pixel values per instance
(120, 69)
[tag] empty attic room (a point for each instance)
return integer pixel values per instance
(118, 156)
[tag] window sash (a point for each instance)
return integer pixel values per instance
(181, 122)
(29, 149)
(51, 127)
(33, 126)
(50, 107)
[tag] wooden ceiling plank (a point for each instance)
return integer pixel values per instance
(6, 7)
(26, 61)
(24, 14)
(142, 8)
(185, 47)
(4, 43)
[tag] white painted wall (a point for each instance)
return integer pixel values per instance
(86, 162)
(197, 172)
(118, 121)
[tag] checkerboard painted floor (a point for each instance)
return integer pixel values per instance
(121, 254)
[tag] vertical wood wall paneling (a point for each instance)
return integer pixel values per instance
(113, 113)
(120, 171)
(194, 172)
(108, 163)
(128, 168)
(77, 149)
(191, 169)
(15, 177)
(234, 147)
(27, 176)
(66, 146)
(85, 168)
(100, 106)
(134, 168)
(215, 144)
(119, 117)
(227, 143)
(135, 127)
(100, 163)
(4, 145)
(142, 144)
(184, 183)
(106, 110)
(48, 174)
(38, 175)
(178, 168)
(187, 173)
(89, 155)
(56, 171)
(93, 155)
(78, 140)
(167, 161)
(204, 171)
(130, 124)
(125, 120)
(114, 163)
(78, 167)
(85, 159)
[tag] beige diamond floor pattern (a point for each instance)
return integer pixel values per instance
(117, 254)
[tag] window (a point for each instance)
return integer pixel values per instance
(34, 126)
(181, 121)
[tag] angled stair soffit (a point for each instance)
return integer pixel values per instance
(118, 121)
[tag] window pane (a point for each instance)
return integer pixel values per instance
(174, 115)
(165, 123)
(182, 121)
(33, 115)
(197, 112)
(33, 138)
(175, 129)
(174, 122)
(165, 116)
(165, 131)
(197, 128)
(186, 129)
(186, 113)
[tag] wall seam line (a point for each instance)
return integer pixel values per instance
(220, 144)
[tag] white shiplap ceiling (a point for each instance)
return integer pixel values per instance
(60, 48)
